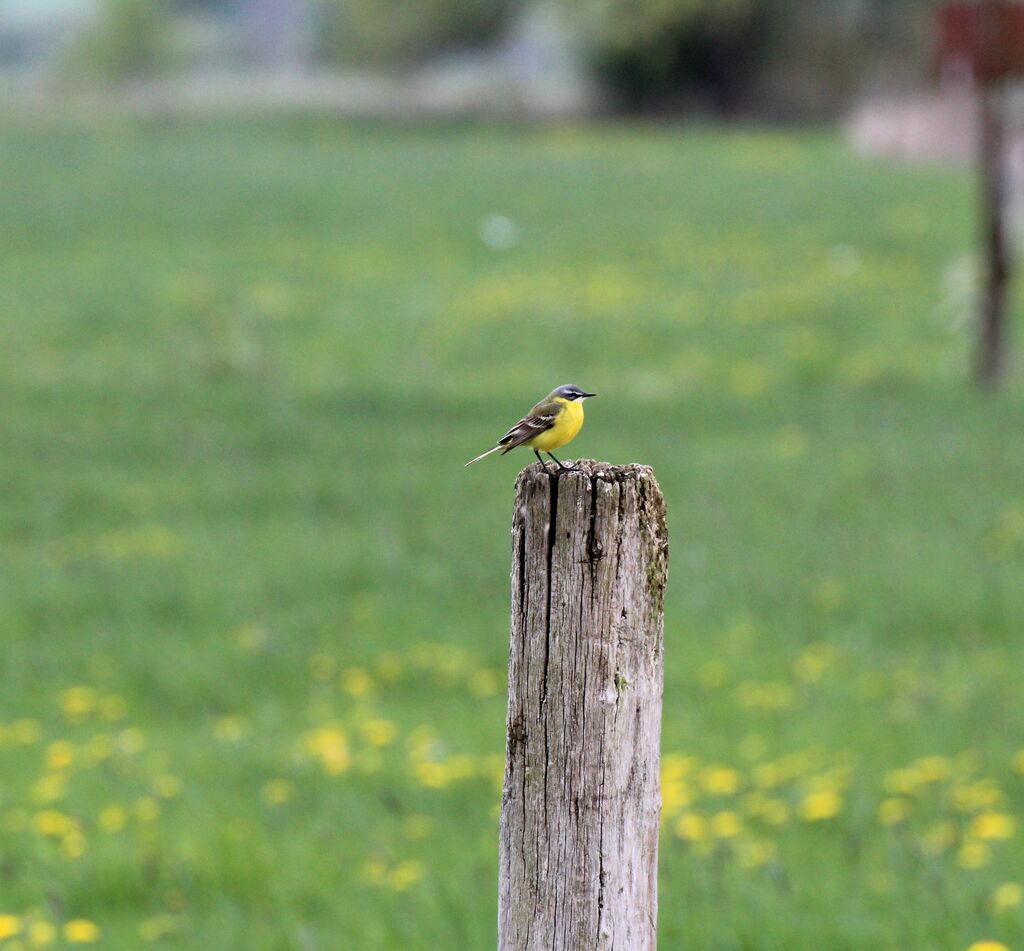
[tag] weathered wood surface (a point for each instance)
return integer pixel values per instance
(581, 804)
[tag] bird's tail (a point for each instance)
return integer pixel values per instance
(489, 451)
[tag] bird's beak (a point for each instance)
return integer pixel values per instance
(587, 396)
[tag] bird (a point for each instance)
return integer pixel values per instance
(552, 423)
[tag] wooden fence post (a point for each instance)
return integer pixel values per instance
(581, 803)
(996, 231)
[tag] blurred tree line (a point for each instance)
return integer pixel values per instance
(803, 56)
(727, 56)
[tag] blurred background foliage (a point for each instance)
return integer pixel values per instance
(749, 54)
(769, 57)
(397, 33)
(130, 39)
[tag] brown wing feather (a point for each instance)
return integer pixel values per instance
(540, 419)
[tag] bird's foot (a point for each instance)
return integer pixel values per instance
(562, 466)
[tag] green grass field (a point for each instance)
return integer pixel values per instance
(255, 612)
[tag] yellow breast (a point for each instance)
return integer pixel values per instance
(568, 424)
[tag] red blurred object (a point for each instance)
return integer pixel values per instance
(986, 37)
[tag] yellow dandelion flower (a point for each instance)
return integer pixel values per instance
(973, 797)
(406, 874)
(375, 871)
(720, 780)
(81, 931)
(98, 748)
(772, 811)
(73, 845)
(675, 796)
(819, 805)
(25, 732)
(329, 743)
(756, 853)
(146, 809)
(59, 754)
(726, 825)
(78, 702)
(380, 732)
(421, 742)
(992, 825)
(901, 782)
(131, 741)
(768, 697)
(50, 822)
(893, 811)
(676, 766)
(251, 637)
(112, 818)
(967, 762)
(356, 682)
(988, 946)
(932, 769)
(974, 855)
(167, 786)
(417, 826)
(432, 774)
(811, 663)
(230, 728)
(494, 767)
(1006, 896)
(276, 792)
(461, 766)
(938, 838)
(485, 683)
(10, 925)
(712, 674)
(153, 929)
(690, 827)
(41, 934)
(768, 776)
(49, 788)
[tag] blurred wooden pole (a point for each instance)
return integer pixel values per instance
(581, 803)
(991, 360)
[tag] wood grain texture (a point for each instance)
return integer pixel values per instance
(581, 802)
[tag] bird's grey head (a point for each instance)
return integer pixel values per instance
(571, 392)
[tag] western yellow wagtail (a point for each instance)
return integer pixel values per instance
(552, 423)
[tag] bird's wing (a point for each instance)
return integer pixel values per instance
(540, 419)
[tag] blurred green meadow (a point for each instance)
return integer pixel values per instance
(255, 612)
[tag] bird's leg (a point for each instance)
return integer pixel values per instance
(561, 466)
(541, 461)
